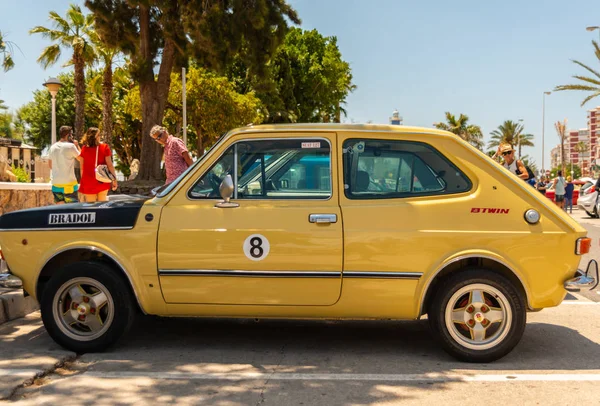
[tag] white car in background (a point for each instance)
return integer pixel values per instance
(588, 198)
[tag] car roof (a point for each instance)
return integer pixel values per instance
(343, 127)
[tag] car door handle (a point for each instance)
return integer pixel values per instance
(323, 218)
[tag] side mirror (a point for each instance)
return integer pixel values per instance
(226, 188)
(226, 191)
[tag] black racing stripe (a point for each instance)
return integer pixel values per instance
(116, 214)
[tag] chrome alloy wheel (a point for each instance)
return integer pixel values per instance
(478, 316)
(83, 309)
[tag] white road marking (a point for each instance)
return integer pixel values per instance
(573, 302)
(175, 375)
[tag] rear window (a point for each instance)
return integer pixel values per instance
(380, 169)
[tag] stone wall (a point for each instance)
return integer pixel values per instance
(17, 196)
(137, 187)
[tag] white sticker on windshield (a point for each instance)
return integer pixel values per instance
(311, 145)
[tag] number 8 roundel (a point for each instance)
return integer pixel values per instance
(256, 247)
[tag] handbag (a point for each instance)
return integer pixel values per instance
(102, 173)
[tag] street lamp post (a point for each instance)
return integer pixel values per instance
(519, 137)
(53, 85)
(543, 123)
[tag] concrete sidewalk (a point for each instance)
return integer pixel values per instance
(26, 352)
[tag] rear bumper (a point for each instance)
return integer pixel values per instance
(587, 279)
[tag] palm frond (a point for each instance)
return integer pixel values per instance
(586, 79)
(584, 66)
(7, 62)
(590, 97)
(49, 56)
(575, 87)
(60, 22)
(76, 16)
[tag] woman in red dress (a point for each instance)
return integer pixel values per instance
(93, 190)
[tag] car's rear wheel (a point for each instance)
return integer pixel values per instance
(478, 315)
(86, 307)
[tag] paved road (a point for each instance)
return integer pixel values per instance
(223, 362)
(244, 362)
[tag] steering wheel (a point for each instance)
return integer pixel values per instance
(215, 183)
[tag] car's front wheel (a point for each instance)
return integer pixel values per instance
(478, 315)
(86, 307)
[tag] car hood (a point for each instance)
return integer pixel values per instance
(117, 214)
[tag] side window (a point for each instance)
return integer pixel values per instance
(380, 169)
(272, 169)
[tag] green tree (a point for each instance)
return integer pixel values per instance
(6, 125)
(589, 84)
(36, 115)
(461, 127)
(561, 131)
(528, 161)
(73, 33)
(165, 33)
(511, 132)
(307, 80)
(6, 50)
(213, 106)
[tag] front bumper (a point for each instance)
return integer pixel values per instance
(584, 280)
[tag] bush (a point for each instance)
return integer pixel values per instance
(21, 174)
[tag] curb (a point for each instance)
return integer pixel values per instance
(13, 305)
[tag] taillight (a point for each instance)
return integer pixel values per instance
(1, 256)
(582, 245)
(589, 190)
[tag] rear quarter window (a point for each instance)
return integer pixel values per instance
(380, 169)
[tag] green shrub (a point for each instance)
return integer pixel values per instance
(21, 174)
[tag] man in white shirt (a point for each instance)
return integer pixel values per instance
(62, 161)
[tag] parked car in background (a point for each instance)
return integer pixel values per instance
(589, 199)
(580, 185)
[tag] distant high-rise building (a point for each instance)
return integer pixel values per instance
(594, 134)
(395, 119)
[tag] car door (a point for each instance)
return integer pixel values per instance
(280, 243)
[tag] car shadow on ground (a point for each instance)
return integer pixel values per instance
(392, 347)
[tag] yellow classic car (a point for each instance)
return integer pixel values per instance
(311, 221)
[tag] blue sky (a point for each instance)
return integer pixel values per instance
(489, 60)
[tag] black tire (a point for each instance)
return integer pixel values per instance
(113, 327)
(509, 331)
(589, 214)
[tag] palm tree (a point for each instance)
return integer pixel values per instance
(561, 130)
(510, 132)
(468, 132)
(107, 56)
(582, 148)
(71, 32)
(6, 51)
(587, 84)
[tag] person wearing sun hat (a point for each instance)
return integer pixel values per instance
(510, 162)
